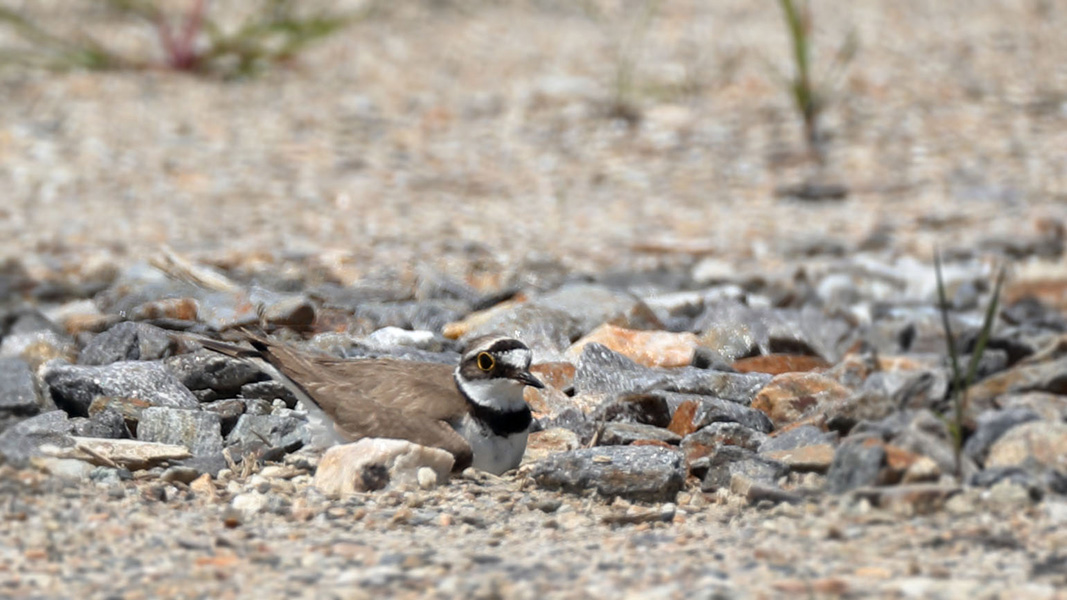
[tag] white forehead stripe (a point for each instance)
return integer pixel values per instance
(518, 358)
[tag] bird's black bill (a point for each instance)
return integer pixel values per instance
(528, 378)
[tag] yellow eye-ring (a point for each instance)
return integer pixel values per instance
(486, 362)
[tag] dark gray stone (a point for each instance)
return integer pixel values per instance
(797, 437)
(18, 393)
(23, 441)
(737, 330)
(128, 341)
(1035, 481)
(992, 425)
(274, 431)
(74, 387)
(207, 370)
(103, 424)
(269, 390)
(622, 434)
(724, 434)
(604, 372)
(644, 473)
(199, 431)
(730, 461)
(857, 463)
(715, 410)
(430, 315)
(228, 410)
(257, 406)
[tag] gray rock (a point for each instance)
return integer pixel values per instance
(719, 468)
(992, 425)
(548, 332)
(645, 473)
(604, 372)
(735, 330)
(128, 340)
(197, 430)
(207, 370)
(269, 390)
(28, 334)
(428, 315)
(228, 410)
(392, 337)
(928, 435)
(74, 387)
(1049, 376)
(857, 463)
(104, 424)
(273, 431)
(797, 437)
(23, 441)
(715, 410)
(257, 406)
(1034, 481)
(724, 434)
(18, 393)
(592, 305)
(622, 434)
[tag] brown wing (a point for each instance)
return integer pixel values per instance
(358, 395)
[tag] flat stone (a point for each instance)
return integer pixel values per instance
(607, 373)
(541, 444)
(128, 340)
(373, 464)
(789, 396)
(104, 424)
(131, 454)
(649, 409)
(709, 409)
(729, 463)
(644, 473)
(546, 331)
(74, 387)
(721, 434)
(797, 437)
(197, 430)
(991, 426)
(391, 337)
(622, 434)
(1050, 376)
(592, 305)
(776, 364)
(275, 431)
(648, 348)
(18, 393)
(1042, 442)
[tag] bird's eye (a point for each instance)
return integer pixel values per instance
(486, 362)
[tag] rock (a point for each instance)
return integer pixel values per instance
(199, 431)
(228, 410)
(797, 437)
(776, 364)
(294, 311)
(622, 434)
(927, 435)
(712, 436)
(1050, 407)
(858, 462)
(789, 396)
(129, 409)
(29, 335)
(63, 468)
(649, 409)
(276, 431)
(707, 410)
(1048, 377)
(644, 473)
(249, 504)
(730, 462)
(548, 332)
(606, 373)
(991, 426)
(132, 454)
(1042, 442)
(433, 315)
(103, 424)
(913, 499)
(391, 337)
(923, 470)
(647, 348)
(24, 440)
(18, 393)
(74, 387)
(815, 458)
(592, 305)
(206, 370)
(128, 340)
(550, 441)
(735, 330)
(269, 390)
(372, 464)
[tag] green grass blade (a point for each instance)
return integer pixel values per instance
(950, 340)
(987, 329)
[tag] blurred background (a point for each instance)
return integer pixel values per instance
(477, 134)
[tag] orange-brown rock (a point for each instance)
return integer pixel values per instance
(682, 421)
(649, 348)
(816, 457)
(559, 375)
(776, 364)
(550, 441)
(791, 396)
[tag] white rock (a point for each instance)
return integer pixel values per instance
(391, 337)
(250, 503)
(427, 478)
(375, 462)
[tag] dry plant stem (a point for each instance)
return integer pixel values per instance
(181, 52)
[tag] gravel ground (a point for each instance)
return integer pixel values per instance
(476, 138)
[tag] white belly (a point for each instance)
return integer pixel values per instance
(492, 453)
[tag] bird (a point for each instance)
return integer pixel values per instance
(475, 410)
